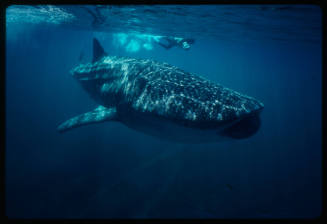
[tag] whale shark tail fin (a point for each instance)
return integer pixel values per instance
(98, 51)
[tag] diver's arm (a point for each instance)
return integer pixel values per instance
(165, 46)
(170, 43)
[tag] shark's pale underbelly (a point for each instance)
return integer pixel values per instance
(166, 129)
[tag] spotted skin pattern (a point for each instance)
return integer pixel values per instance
(163, 90)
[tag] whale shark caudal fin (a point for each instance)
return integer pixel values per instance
(98, 51)
(98, 115)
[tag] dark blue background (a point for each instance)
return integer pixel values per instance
(110, 171)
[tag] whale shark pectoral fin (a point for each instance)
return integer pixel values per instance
(100, 114)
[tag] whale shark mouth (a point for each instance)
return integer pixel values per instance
(244, 128)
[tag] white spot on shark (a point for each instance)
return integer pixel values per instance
(105, 88)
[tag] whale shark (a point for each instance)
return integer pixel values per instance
(162, 100)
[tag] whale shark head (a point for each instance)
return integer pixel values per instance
(245, 126)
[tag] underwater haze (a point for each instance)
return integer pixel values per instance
(107, 170)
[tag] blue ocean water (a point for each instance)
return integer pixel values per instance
(270, 52)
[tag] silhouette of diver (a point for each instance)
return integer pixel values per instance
(170, 42)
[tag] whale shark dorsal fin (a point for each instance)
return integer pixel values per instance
(98, 115)
(98, 51)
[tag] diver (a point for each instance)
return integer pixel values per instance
(169, 42)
